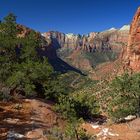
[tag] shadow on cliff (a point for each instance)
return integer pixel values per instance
(61, 66)
(57, 63)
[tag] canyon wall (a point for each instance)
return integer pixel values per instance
(85, 52)
(106, 40)
(131, 55)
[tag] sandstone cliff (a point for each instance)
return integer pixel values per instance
(92, 42)
(131, 55)
(87, 51)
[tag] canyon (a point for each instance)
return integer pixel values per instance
(101, 51)
(86, 52)
(96, 52)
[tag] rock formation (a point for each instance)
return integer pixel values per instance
(131, 55)
(85, 52)
(22, 31)
(92, 42)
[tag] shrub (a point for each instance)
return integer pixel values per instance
(125, 96)
(78, 105)
(4, 94)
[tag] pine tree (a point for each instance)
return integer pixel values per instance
(7, 45)
(22, 68)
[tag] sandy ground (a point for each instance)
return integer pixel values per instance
(124, 131)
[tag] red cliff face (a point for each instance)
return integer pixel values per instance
(131, 55)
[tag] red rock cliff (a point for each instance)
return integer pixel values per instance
(132, 54)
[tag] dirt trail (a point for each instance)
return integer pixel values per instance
(42, 118)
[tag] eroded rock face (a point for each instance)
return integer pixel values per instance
(132, 54)
(134, 36)
(92, 42)
(111, 39)
(87, 51)
(84, 52)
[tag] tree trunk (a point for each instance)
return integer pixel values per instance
(77, 138)
(13, 90)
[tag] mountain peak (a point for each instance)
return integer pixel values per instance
(112, 29)
(125, 27)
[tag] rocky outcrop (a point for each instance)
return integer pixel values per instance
(22, 31)
(131, 55)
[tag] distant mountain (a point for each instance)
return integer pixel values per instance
(86, 52)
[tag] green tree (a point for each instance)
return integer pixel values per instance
(78, 104)
(21, 66)
(7, 46)
(125, 96)
(28, 75)
(9, 25)
(74, 131)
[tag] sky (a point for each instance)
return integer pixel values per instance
(71, 16)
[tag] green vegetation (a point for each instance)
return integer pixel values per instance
(78, 105)
(21, 68)
(117, 98)
(125, 96)
(73, 131)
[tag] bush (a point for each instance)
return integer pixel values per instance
(74, 131)
(5, 94)
(78, 105)
(125, 96)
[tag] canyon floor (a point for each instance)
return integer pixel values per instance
(28, 119)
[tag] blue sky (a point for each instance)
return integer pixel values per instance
(77, 16)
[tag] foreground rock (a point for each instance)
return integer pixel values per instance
(13, 135)
(28, 122)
